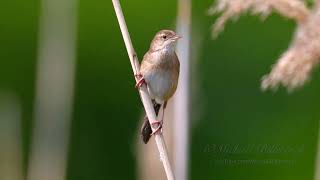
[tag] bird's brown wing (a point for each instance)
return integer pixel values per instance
(175, 65)
(146, 63)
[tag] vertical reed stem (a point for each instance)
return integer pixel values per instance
(145, 98)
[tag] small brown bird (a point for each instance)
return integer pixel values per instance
(160, 71)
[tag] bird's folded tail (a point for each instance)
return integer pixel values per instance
(146, 130)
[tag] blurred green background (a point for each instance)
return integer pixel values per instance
(228, 108)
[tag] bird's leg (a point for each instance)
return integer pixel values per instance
(141, 80)
(159, 123)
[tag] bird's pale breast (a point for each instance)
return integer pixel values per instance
(161, 74)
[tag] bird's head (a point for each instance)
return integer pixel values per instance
(164, 40)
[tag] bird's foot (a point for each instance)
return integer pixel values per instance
(157, 124)
(140, 83)
(139, 75)
(141, 80)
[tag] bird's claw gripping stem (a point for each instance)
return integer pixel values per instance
(159, 127)
(141, 80)
(139, 75)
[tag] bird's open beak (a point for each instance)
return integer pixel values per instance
(176, 37)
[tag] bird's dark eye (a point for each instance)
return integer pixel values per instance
(164, 37)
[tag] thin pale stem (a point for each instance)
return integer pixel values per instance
(181, 102)
(54, 90)
(145, 98)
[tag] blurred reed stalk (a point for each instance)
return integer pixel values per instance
(10, 138)
(181, 100)
(296, 64)
(144, 95)
(54, 91)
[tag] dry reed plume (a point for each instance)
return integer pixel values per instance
(296, 64)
